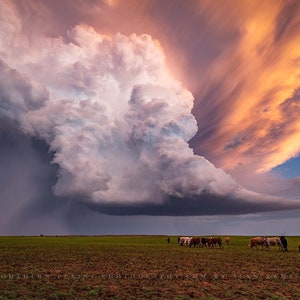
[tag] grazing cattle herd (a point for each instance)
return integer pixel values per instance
(258, 242)
(266, 242)
(209, 242)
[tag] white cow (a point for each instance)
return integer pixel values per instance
(185, 241)
(274, 241)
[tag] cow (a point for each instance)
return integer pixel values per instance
(212, 241)
(258, 241)
(284, 243)
(208, 242)
(203, 242)
(274, 241)
(187, 241)
(180, 240)
(195, 242)
(299, 248)
(227, 240)
(184, 241)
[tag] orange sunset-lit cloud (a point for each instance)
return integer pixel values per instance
(253, 125)
(254, 97)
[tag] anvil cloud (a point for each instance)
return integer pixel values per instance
(118, 112)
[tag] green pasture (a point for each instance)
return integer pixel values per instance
(144, 267)
(61, 242)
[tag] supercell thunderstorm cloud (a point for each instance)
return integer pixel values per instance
(104, 123)
(117, 122)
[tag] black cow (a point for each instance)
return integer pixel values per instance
(284, 243)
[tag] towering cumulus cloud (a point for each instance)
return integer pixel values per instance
(116, 121)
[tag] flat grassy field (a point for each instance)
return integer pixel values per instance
(144, 267)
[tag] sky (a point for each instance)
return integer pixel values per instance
(149, 117)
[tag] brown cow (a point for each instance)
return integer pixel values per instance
(258, 241)
(210, 242)
(195, 242)
(227, 240)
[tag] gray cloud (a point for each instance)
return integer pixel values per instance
(19, 94)
(83, 220)
(201, 205)
(26, 180)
